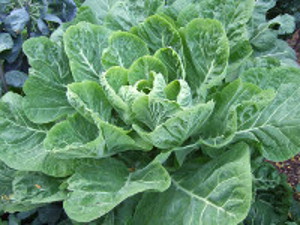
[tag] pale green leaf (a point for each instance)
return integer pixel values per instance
(273, 77)
(110, 88)
(153, 112)
(89, 100)
(141, 68)
(173, 63)
(207, 53)
(100, 8)
(158, 33)
(55, 166)
(117, 77)
(124, 48)
(180, 91)
(99, 186)
(216, 193)
(158, 87)
(45, 88)
(177, 129)
(233, 15)
(75, 138)
(84, 44)
(126, 14)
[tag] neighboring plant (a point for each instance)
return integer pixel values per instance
(291, 7)
(153, 117)
(20, 20)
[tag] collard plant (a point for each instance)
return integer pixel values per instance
(148, 116)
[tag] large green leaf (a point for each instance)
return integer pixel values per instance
(233, 14)
(207, 53)
(89, 100)
(100, 8)
(75, 138)
(141, 68)
(99, 186)
(216, 193)
(158, 33)
(177, 129)
(126, 14)
(225, 117)
(21, 141)
(111, 89)
(45, 88)
(180, 91)
(153, 112)
(173, 63)
(276, 127)
(272, 78)
(124, 48)
(31, 190)
(84, 44)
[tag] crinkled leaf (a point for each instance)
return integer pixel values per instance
(172, 61)
(124, 48)
(56, 166)
(207, 53)
(111, 92)
(45, 88)
(75, 138)
(225, 115)
(141, 68)
(233, 14)
(37, 188)
(100, 8)
(271, 78)
(218, 192)
(126, 14)
(158, 33)
(89, 100)
(109, 183)
(276, 127)
(153, 112)
(84, 44)
(31, 190)
(179, 91)
(177, 129)
(21, 141)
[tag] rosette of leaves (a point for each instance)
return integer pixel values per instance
(20, 20)
(134, 122)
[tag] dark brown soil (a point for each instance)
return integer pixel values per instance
(291, 168)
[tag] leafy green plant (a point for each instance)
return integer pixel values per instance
(21, 20)
(148, 116)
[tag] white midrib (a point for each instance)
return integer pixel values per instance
(86, 61)
(177, 185)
